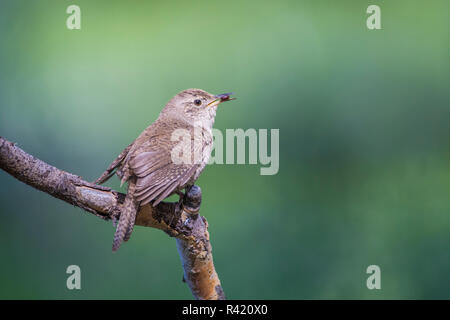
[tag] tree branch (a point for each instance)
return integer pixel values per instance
(187, 226)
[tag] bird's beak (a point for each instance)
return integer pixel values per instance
(221, 98)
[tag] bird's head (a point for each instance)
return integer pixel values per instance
(196, 105)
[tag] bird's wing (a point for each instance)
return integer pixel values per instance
(114, 165)
(157, 176)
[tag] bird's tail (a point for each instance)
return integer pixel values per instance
(127, 217)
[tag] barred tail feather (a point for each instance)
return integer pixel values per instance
(131, 220)
(120, 231)
(127, 217)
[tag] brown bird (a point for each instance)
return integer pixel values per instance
(167, 157)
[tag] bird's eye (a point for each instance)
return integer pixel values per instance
(198, 102)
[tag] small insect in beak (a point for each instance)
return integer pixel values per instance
(225, 97)
(221, 98)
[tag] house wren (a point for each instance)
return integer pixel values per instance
(151, 163)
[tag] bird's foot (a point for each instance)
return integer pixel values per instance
(179, 205)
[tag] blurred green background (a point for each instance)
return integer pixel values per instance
(364, 144)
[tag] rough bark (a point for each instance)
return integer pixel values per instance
(186, 225)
